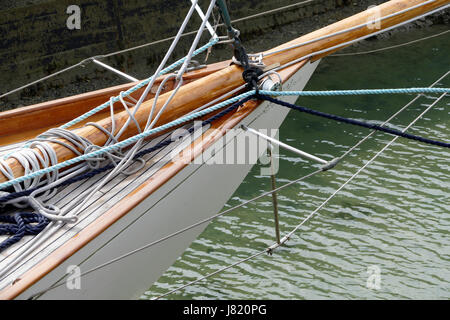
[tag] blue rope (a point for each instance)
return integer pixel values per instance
(171, 124)
(354, 122)
(248, 95)
(355, 92)
(20, 225)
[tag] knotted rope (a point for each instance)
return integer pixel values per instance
(20, 225)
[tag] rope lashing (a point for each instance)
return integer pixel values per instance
(263, 93)
(354, 122)
(212, 109)
(128, 141)
(251, 72)
(20, 225)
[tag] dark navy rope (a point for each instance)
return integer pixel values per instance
(355, 122)
(20, 225)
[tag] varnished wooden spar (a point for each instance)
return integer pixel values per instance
(212, 86)
(43, 116)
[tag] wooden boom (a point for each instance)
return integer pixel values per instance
(199, 92)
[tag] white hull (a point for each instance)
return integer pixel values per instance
(195, 193)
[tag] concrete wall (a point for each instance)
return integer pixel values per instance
(35, 41)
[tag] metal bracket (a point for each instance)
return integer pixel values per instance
(226, 39)
(251, 62)
(268, 84)
(326, 164)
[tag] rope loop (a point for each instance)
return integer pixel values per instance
(50, 211)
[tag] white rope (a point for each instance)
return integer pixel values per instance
(152, 121)
(32, 162)
(217, 25)
(90, 59)
(318, 53)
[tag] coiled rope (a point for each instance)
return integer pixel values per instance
(20, 225)
(11, 196)
(32, 160)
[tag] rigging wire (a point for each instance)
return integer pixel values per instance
(337, 46)
(90, 59)
(103, 265)
(359, 26)
(57, 215)
(30, 155)
(344, 44)
(87, 60)
(390, 47)
(151, 121)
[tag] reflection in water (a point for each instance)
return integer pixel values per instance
(384, 236)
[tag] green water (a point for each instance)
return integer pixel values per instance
(395, 215)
